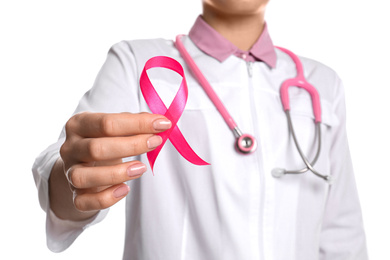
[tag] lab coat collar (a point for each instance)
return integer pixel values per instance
(212, 43)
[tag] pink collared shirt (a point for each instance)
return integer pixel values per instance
(212, 43)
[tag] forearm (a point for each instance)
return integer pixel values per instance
(61, 196)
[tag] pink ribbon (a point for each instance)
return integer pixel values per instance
(173, 113)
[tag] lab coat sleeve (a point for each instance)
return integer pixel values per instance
(342, 235)
(114, 91)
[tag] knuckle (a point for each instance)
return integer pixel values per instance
(64, 150)
(138, 145)
(107, 125)
(71, 124)
(76, 178)
(66, 153)
(103, 201)
(79, 204)
(95, 149)
(144, 124)
(113, 177)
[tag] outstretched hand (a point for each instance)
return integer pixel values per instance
(91, 156)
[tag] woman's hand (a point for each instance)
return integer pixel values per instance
(91, 160)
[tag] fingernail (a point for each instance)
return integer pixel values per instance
(154, 141)
(136, 169)
(121, 191)
(162, 124)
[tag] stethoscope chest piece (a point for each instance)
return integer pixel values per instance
(246, 144)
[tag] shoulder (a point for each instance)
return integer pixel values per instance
(143, 46)
(141, 50)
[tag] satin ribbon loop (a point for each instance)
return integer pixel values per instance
(173, 113)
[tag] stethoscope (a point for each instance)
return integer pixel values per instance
(246, 143)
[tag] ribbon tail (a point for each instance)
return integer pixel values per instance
(152, 155)
(181, 145)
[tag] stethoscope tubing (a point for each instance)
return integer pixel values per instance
(309, 166)
(242, 140)
(301, 82)
(205, 84)
(245, 143)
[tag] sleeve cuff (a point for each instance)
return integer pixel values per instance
(60, 234)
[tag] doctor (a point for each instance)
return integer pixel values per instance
(233, 208)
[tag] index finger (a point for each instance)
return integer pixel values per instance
(95, 125)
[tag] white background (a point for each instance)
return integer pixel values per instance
(51, 51)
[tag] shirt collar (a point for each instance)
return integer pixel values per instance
(212, 43)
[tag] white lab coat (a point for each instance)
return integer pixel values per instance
(234, 208)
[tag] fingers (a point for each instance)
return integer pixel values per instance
(94, 144)
(100, 187)
(109, 148)
(93, 137)
(88, 177)
(102, 199)
(94, 125)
